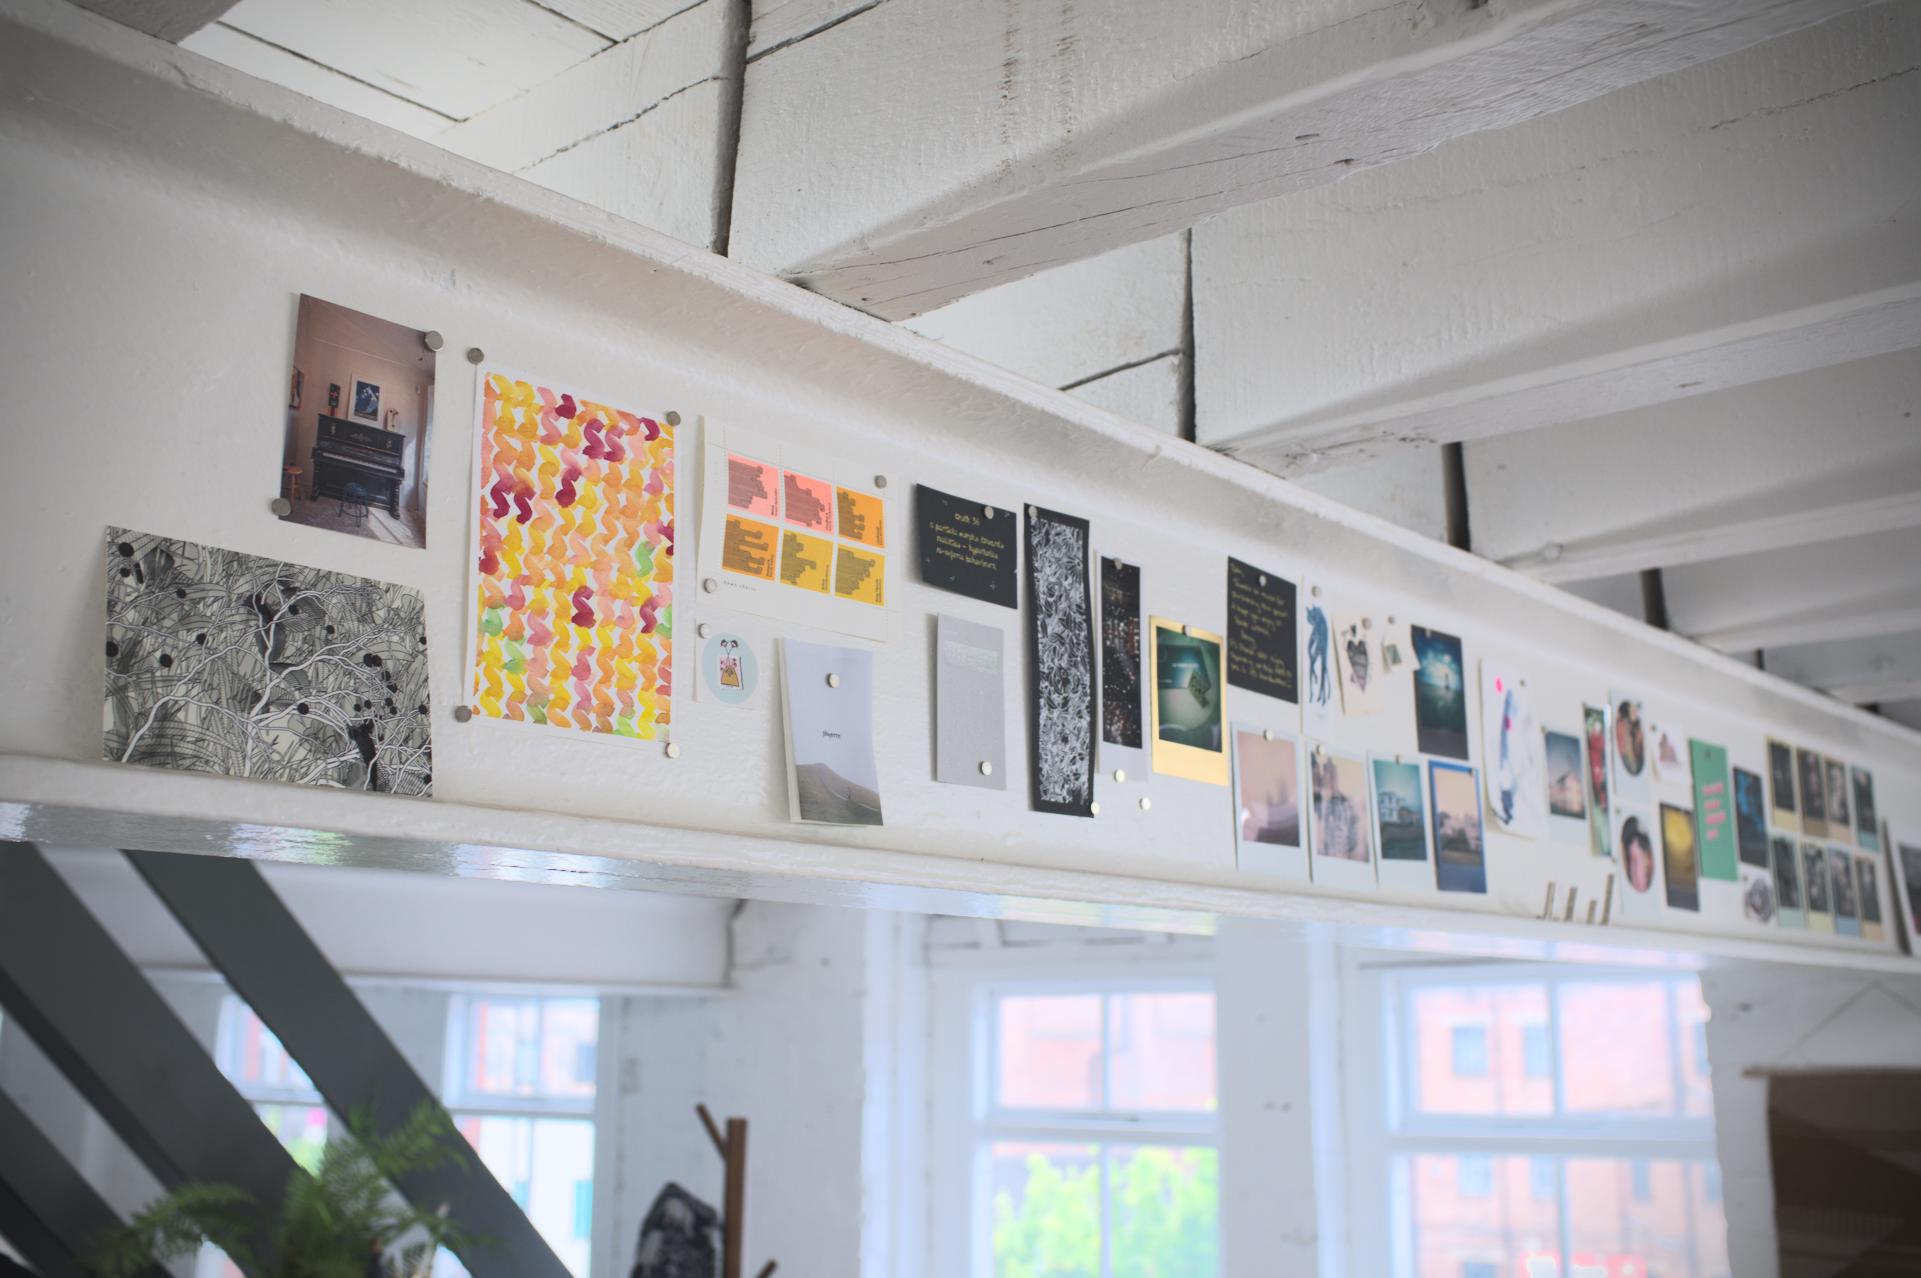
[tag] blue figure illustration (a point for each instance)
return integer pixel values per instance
(1320, 685)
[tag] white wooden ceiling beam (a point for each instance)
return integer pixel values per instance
(169, 20)
(1875, 616)
(912, 152)
(1860, 587)
(1857, 671)
(1722, 225)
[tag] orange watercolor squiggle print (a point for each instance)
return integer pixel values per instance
(574, 596)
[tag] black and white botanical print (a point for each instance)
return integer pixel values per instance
(1061, 641)
(223, 662)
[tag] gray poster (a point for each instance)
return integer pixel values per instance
(970, 704)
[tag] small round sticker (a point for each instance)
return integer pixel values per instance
(729, 668)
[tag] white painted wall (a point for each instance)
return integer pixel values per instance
(169, 192)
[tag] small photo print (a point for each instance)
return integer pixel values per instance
(1633, 774)
(1340, 806)
(1750, 819)
(1787, 874)
(1841, 874)
(1187, 688)
(1814, 803)
(1460, 853)
(1814, 867)
(1840, 823)
(1757, 897)
(1781, 783)
(1867, 821)
(1870, 891)
(358, 466)
(1637, 854)
(1358, 655)
(1680, 858)
(829, 700)
(1400, 815)
(1566, 777)
(1440, 694)
(1268, 788)
(1595, 728)
(1907, 883)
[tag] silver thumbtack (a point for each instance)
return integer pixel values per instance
(709, 585)
(1263, 579)
(673, 750)
(1267, 734)
(880, 481)
(463, 713)
(703, 630)
(1120, 776)
(1547, 907)
(1031, 512)
(432, 341)
(1367, 623)
(475, 354)
(673, 418)
(1316, 592)
(280, 506)
(987, 512)
(833, 681)
(1571, 894)
(1093, 809)
(987, 769)
(1390, 618)
(1146, 803)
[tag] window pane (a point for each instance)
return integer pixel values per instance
(1469, 1052)
(544, 1163)
(1050, 1052)
(1166, 1205)
(1479, 1215)
(1163, 1051)
(1645, 1218)
(301, 1130)
(1617, 1047)
(1691, 1010)
(532, 1048)
(1046, 1210)
(252, 1057)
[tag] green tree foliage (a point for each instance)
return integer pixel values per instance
(339, 1216)
(1166, 1220)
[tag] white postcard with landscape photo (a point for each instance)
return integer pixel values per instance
(828, 704)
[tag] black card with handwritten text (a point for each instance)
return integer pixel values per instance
(967, 547)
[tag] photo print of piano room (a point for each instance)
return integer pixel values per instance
(359, 406)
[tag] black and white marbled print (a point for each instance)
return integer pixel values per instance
(218, 661)
(1061, 662)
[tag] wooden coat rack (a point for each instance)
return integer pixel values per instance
(732, 1148)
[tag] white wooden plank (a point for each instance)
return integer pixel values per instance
(606, 91)
(1857, 671)
(243, 52)
(947, 148)
(1074, 321)
(1719, 226)
(1147, 393)
(661, 170)
(1881, 613)
(169, 20)
(1406, 488)
(458, 57)
(617, 19)
(778, 23)
(1818, 455)
(1727, 602)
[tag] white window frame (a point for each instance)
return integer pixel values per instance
(1381, 1127)
(965, 1121)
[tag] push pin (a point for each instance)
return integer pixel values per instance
(987, 512)
(1031, 512)
(709, 585)
(880, 481)
(1267, 734)
(1093, 808)
(475, 355)
(280, 506)
(1316, 592)
(1263, 579)
(1120, 776)
(833, 681)
(673, 750)
(987, 769)
(1146, 803)
(673, 418)
(463, 713)
(703, 630)
(432, 340)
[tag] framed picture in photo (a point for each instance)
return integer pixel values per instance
(364, 403)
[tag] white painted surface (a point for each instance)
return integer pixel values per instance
(169, 20)
(1723, 224)
(1857, 671)
(1753, 601)
(1769, 1019)
(433, 928)
(1041, 131)
(169, 192)
(269, 62)
(457, 57)
(1151, 394)
(618, 19)
(780, 22)
(1820, 455)
(1406, 487)
(1077, 321)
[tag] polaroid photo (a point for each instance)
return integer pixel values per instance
(1460, 840)
(1788, 908)
(1867, 819)
(1906, 859)
(1400, 824)
(1868, 879)
(1440, 694)
(1814, 882)
(1342, 835)
(1567, 786)
(1782, 809)
(1840, 800)
(1669, 755)
(1270, 834)
(1842, 894)
(1680, 858)
(1633, 772)
(1594, 721)
(1511, 753)
(1635, 842)
(1812, 788)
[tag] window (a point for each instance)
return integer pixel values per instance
(261, 1071)
(1470, 1051)
(1092, 1139)
(1549, 1122)
(521, 1089)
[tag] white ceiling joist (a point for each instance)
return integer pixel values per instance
(169, 20)
(1726, 224)
(1875, 616)
(913, 152)
(1771, 599)
(1857, 671)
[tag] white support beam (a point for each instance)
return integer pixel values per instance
(1817, 456)
(1857, 588)
(1726, 224)
(1877, 615)
(949, 148)
(169, 20)
(1858, 671)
